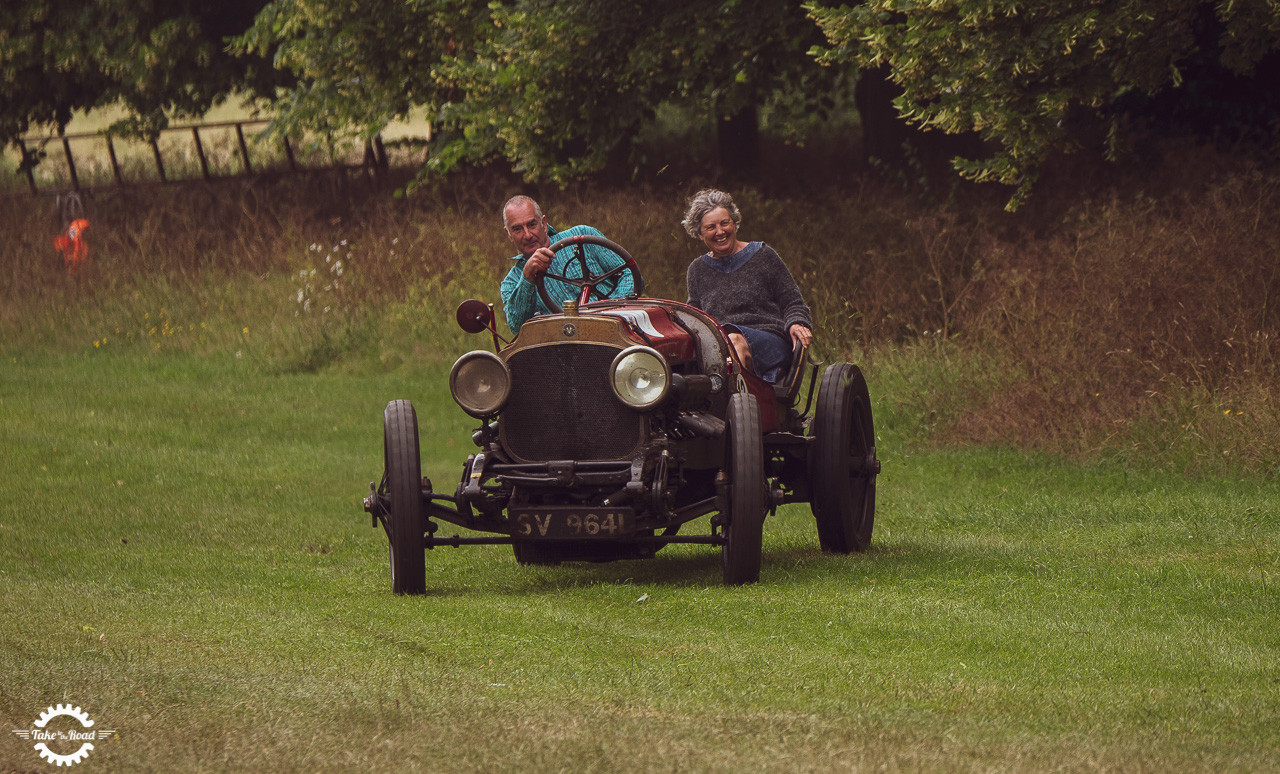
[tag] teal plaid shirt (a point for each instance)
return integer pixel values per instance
(520, 299)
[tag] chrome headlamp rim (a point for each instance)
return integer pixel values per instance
(666, 376)
(475, 410)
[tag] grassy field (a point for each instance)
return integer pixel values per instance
(1075, 560)
(182, 554)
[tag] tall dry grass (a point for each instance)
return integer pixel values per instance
(1143, 321)
(1133, 315)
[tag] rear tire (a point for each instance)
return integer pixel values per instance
(744, 462)
(842, 462)
(406, 521)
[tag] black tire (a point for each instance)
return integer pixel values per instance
(842, 461)
(406, 520)
(744, 463)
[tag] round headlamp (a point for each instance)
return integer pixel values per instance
(640, 377)
(481, 383)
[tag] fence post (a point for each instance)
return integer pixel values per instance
(244, 149)
(31, 175)
(71, 163)
(115, 165)
(204, 164)
(155, 149)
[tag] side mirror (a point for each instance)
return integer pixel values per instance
(474, 316)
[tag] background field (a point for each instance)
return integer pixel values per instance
(1075, 559)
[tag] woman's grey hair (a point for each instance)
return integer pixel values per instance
(705, 201)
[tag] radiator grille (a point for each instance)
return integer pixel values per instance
(562, 408)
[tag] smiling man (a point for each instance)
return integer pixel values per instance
(528, 230)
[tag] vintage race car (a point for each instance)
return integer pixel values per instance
(608, 427)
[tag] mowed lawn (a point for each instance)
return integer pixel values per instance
(183, 554)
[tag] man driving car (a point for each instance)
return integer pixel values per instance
(528, 230)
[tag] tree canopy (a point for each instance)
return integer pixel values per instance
(560, 88)
(557, 88)
(358, 66)
(157, 59)
(1037, 78)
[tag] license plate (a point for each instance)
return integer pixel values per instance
(567, 522)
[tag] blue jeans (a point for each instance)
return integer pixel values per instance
(770, 352)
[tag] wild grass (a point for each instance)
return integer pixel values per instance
(1133, 323)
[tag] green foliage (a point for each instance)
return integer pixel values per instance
(157, 59)
(359, 66)
(558, 89)
(1037, 78)
(561, 88)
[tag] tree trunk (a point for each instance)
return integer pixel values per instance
(887, 138)
(883, 132)
(738, 141)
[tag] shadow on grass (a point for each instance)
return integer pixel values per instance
(700, 567)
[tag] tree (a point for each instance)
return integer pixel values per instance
(559, 88)
(157, 59)
(359, 66)
(1037, 78)
(556, 88)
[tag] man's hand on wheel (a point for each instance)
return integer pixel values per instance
(538, 263)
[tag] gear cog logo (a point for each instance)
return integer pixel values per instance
(63, 740)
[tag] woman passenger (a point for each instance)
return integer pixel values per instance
(745, 286)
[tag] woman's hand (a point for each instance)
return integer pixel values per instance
(801, 334)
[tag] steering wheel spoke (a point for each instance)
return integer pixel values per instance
(588, 283)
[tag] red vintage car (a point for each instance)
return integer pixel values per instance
(608, 428)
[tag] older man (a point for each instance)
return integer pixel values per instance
(528, 230)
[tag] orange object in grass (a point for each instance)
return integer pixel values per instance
(74, 245)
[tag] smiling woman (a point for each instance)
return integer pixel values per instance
(745, 286)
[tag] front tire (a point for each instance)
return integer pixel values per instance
(406, 520)
(744, 463)
(842, 462)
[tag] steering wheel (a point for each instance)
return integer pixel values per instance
(587, 283)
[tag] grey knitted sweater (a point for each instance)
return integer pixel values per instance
(760, 294)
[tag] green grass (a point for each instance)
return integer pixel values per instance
(182, 553)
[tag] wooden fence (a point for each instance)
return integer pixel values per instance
(374, 158)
